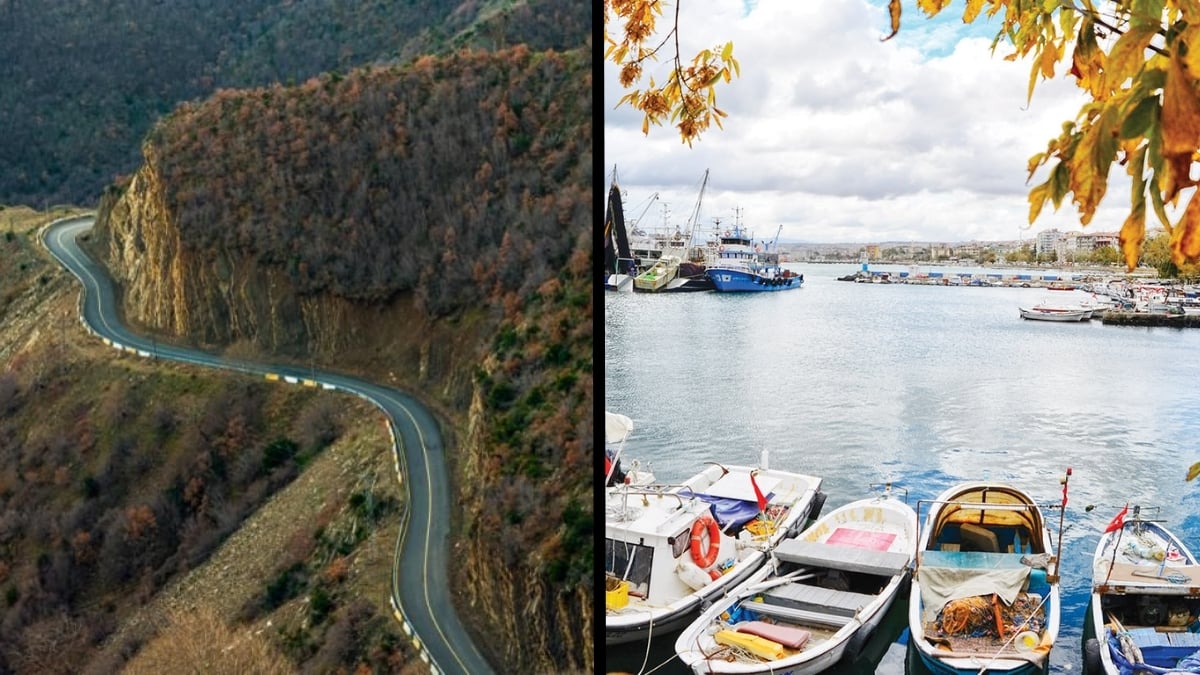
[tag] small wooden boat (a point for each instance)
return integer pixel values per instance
(657, 276)
(984, 594)
(669, 548)
(1052, 313)
(1145, 595)
(824, 591)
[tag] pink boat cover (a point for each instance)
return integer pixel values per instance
(792, 638)
(875, 541)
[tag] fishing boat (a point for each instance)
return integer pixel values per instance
(744, 267)
(984, 596)
(657, 276)
(822, 594)
(1145, 600)
(670, 547)
(1045, 312)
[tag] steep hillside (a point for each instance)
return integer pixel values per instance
(134, 493)
(82, 82)
(427, 226)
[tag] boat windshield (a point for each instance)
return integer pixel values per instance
(629, 561)
(992, 506)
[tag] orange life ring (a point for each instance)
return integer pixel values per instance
(721, 247)
(704, 559)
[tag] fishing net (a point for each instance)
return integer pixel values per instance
(981, 616)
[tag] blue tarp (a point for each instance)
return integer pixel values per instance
(1158, 659)
(1049, 277)
(1025, 277)
(731, 512)
(935, 275)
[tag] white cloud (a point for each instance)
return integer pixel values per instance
(840, 137)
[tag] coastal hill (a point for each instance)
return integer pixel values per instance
(428, 226)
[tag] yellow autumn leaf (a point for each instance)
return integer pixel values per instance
(1193, 471)
(894, 12)
(727, 52)
(972, 10)
(1051, 53)
(1180, 126)
(1128, 55)
(1133, 232)
(1088, 62)
(1088, 180)
(1037, 199)
(1191, 55)
(1185, 237)
(932, 7)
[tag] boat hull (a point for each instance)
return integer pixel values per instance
(728, 280)
(1062, 315)
(621, 283)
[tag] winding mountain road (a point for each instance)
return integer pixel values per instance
(420, 580)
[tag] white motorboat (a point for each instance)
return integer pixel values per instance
(670, 547)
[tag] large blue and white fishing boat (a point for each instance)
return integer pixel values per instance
(742, 266)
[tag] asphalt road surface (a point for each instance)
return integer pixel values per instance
(420, 581)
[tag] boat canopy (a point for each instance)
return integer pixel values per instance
(990, 505)
(617, 427)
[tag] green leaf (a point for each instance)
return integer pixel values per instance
(1138, 120)
(1060, 181)
(1137, 172)
(1160, 210)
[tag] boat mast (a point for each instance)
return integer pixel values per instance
(695, 219)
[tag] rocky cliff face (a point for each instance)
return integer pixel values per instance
(546, 628)
(217, 299)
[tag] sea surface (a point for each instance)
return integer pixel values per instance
(924, 386)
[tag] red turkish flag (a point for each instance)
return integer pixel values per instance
(1118, 520)
(762, 501)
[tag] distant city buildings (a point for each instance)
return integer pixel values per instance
(1048, 246)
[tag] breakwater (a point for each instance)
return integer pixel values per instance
(1116, 318)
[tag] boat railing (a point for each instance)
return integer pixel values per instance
(680, 492)
(887, 491)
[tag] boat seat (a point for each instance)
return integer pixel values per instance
(799, 616)
(816, 599)
(788, 636)
(845, 558)
(979, 538)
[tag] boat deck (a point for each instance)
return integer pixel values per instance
(846, 558)
(1183, 579)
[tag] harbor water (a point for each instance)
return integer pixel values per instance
(923, 386)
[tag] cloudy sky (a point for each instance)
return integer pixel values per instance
(839, 137)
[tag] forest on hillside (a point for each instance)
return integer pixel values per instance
(464, 181)
(82, 82)
(458, 178)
